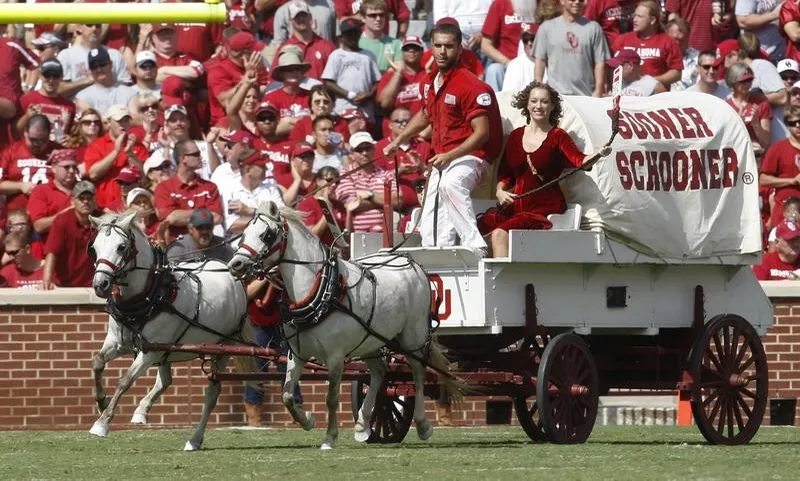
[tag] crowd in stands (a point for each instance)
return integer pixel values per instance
(195, 125)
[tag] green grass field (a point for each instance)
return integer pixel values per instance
(624, 453)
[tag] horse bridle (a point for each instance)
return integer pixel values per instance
(268, 237)
(128, 251)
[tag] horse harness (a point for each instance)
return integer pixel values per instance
(159, 294)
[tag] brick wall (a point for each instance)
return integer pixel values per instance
(47, 341)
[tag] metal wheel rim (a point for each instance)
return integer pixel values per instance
(567, 362)
(391, 417)
(728, 354)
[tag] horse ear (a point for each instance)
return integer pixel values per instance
(95, 220)
(125, 219)
(273, 208)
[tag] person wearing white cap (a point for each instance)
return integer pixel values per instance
(362, 192)
(794, 94)
(789, 71)
(141, 200)
(314, 49)
(106, 90)
(402, 84)
(146, 71)
(165, 46)
(322, 14)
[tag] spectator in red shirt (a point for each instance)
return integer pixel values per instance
(49, 102)
(314, 49)
(321, 104)
(241, 109)
(784, 262)
(20, 221)
(13, 56)
(180, 195)
(271, 145)
(290, 100)
(660, 53)
(109, 154)
(244, 55)
(779, 169)
(50, 199)
(789, 26)
(169, 60)
(67, 262)
(325, 180)
(752, 107)
(614, 16)
(302, 173)
(24, 163)
(25, 271)
(501, 31)
(402, 84)
(707, 27)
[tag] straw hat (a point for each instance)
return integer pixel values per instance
(289, 58)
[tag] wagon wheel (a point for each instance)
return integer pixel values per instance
(525, 407)
(729, 369)
(391, 417)
(567, 390)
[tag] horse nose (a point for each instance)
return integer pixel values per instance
(102, 287)
(235, 266)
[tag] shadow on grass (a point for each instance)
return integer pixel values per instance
(443, 445)
(693, 443)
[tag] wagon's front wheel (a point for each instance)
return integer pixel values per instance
(525, 407)
(391, 417)
(567, 390)
(728, 366)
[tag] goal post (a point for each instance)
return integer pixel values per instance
(212, 11)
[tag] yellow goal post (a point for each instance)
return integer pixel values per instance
(212, 11)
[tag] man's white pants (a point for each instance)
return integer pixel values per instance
(456, 216)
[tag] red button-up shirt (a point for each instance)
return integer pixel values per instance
(108, 192)
(173, 194)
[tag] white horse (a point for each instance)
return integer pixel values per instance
(195, 302)
(392, 300)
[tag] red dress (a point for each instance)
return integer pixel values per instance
(557, 152)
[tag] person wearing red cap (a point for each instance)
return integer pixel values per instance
(661, 55)
(290, 99)
(274, 147)
(402, 84)
(243, 58)
(302, 175)
(50, 199)
(467, 134)
(752, 107)
(634, 82)
(784, 262)
(500, 36)
(315, 50)
(254, 189)
(779, 168)
(789, 27)
(129, 178)
(106, 156)
(177, 197)
(23, 164)
(765, 74)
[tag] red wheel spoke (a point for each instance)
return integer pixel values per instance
(747, 392)
(714, 395)
(737, 412)
(734, 347)
(723, 403)
(711, 356)
(745, 407)
(740, 355)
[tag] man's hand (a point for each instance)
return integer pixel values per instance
(474, 41)
(352, 205)
(120, 141)
(253, 64)
(365, 194)
(213, 135)
(26, 188)
(130, 142)
(361, 97)
(391, 149)
(441, 161)
(47, 284)
(398, 65)
(239, 208)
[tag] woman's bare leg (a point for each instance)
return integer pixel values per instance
(499, 243)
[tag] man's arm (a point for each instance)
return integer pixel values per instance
(756, 21)
(185, 72)
(487, 45)
(777, 182)
(68, 89)
(669, 77)
(599, 79)
(792, 30)
(476, 140)
(538, 69)
(49, 267)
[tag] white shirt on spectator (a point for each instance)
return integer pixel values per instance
(689, 72)
(265, 191)
(643, 87)
(470, 14)
(519, 73)
(323, 15)
(768, 35)
(331, 160)
(75, 61)
(102, 98)
(722, 91)
(225, 178)
(202, 146)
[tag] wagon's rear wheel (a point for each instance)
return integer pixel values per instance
(567, 390)
(392, 416)
(525, 407)
(729, 369)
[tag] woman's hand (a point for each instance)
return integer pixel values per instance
(604, 151)
(504, 197)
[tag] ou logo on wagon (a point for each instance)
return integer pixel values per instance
(440, 297)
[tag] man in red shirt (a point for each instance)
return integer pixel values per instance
(272, 145)
(244, 53)
(402, 84)
(314, 49)
(290, 100)
(784, 262)
(13, 55)
(180, 195)
(67, 260)
(47, 101)
(24, 271)
(50, 199)
(106, 156)
(779, 168)
(467, 136)
(614, 16)
(24, 163)
(169, 60)
(661, 55)
(707, 29)
(789, 27)
(501, 31)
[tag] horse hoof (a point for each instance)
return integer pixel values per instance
(310, 422)
(363, 436)
(326, 447)
(190, 446)
(424, 430)
(99, 429)
(138, 418)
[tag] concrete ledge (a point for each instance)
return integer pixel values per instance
(778, 289)
(67, 296)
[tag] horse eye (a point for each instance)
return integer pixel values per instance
(121, 248)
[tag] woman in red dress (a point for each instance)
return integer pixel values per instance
(534, 155)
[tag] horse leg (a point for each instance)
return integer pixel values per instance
(138, 367)
(111, 350)
(424, 427)
(377, 370)
(212, 394)
(163, 381)
(335, 368)
(293, 371)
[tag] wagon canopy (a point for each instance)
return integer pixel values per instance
(681, 182)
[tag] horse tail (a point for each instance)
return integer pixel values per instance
(451, 387)
(245, 364)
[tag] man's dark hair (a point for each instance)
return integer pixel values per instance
(319, 119)
(448, 29)
(39, 121)
(180, 149)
